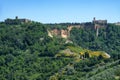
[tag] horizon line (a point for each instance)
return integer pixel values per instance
(59, 21)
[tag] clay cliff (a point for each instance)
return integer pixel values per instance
(64, 33)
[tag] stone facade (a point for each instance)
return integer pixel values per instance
(16, 21)
(99, 23)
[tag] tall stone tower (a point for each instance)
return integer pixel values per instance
(16, 17)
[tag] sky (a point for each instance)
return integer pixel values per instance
(59, 11)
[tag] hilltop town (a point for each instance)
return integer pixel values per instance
(17, 21)
(65, 33)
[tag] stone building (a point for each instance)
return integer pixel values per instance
(16, 21)
(99, 23)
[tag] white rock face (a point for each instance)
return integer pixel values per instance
(107, 55)
(49, 34)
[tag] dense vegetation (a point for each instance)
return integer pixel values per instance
(108, 39)
(28, 53)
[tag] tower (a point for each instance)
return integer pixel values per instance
(94, 19)
(16, 17)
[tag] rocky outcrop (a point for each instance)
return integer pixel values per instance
(55, 32)
(64, 33)
(49, 33)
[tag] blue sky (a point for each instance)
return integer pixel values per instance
(56, 11)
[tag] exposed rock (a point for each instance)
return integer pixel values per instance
(49, 33)
(68, 41)
(55, 32)
(64, 34)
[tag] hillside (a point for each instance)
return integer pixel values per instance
(78, 52)
(86, 70)
(27, 52)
